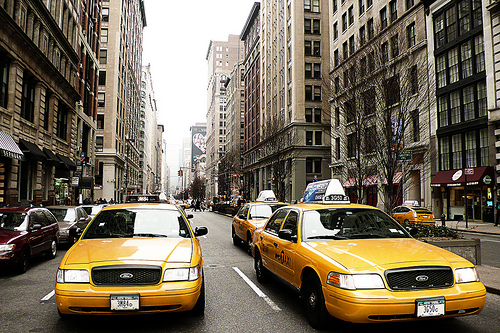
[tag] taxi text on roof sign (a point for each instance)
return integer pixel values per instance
(266, 196)
(326, 191)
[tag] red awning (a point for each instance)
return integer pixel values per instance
(451, 178)
(370, 181)
(396, 179)
(350, 183)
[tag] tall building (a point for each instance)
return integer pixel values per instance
(39, 99)
(294, 120)
(462, 45)
(222, 57)
(119, 98)
(150, 137)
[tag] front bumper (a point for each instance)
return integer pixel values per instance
(73, 298)
(368, 306)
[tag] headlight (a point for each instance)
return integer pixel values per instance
(464, 275)
(73, 276)
(357, 281)
(182, 274)
(7, 247)
(64, 232)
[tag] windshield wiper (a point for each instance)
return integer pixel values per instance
(361, 235)
(327, 237)
(149, 235)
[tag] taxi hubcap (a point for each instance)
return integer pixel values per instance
(312, 300)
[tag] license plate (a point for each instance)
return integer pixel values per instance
(425, 216)
(431, 307)
(124, 302)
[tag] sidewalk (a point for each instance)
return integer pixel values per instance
(489, 275)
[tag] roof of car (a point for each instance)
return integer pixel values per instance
(19, 209)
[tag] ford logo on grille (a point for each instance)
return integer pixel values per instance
(126, 276)
(422, 278)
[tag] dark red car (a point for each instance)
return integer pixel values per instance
(26, 232)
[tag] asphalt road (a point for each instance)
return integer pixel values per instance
(236, 302)
(490, 248)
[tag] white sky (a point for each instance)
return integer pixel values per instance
(176, 41)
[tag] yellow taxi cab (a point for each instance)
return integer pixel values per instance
(133, 259)
(413, 215)
(253, 215)
(355, 263)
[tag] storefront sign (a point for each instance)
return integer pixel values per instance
(456, 176)
(487, 180)
(75, 181)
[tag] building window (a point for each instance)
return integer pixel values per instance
(102, 78)
(313, 164)
(351, 145)
(337, 148)
(101, 99)
(100, 121)
(315, 6)
(309, 138)
(468, 102)
(443, 111)
(361, 7)
(345, 50)
(414, 80)
(336, 60)
(395, 45)
(308, 70)
(28, 97)
(369, 3)
(479, 53)
(483, 147)
(335, 5)
(99, 143)
(466, 57)
(470, 149)
(370, 28)
(318, 138)
(444, 153)
(453, 65)
(362, 36)
(394, 10)
(344, 22)
(4, 80)
(409, 4)
(335, 31)
(104, 35)
(412, 38)
(385, 52)
(351, 45)
(316, 48)
(481, 99)
(456, 151)
(383, 18)
(62, 121)
(464, 20)
(103, 57)
(455, 107)
(351, 15)
(415, 117)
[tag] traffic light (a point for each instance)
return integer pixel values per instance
(180, 173)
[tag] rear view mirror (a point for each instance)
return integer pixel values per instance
(200, 231)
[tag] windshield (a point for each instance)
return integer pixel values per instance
(137, 223)
(64, 214)
(349, 224)
(263, 211)
(13, 221)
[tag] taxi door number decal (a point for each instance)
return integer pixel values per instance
(283, 259)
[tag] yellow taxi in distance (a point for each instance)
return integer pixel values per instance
(408, 215)
(253, 215)
(356, 263)
(133, 259)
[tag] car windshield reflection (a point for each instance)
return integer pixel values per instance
(13, 221)
(349, 224)
(135, 223)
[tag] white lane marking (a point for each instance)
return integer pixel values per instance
(257, 290)
(48, 296)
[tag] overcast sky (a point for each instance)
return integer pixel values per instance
(176, 41)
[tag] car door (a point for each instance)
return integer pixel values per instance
(240, 221)
(269, 238)
(286, 249)
(36, 233)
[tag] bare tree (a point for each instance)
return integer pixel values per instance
(381, 104)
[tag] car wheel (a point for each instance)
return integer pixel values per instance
(199, 307)
(52, 252)
(63, 316)
(249, 244)
(23, 263)
(260, 270)
(314, 302)
(236, 239)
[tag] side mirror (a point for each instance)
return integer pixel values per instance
(189, 216)
(200, 231)
(413, 231)
(287, 234)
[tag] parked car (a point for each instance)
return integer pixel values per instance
(355, 263)
(413, 215)
(134, 258)
(72, 221)
(252, 216)
(92, 210)
(26, 232)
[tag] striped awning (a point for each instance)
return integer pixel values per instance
(9, 148)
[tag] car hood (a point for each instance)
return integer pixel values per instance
(122, 250)
(368, 254)
(8, 236)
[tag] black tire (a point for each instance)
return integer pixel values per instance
(236, 239)
(314, 302)
(199, 307)
(52, 251)
(260, 271)
(23, 263)
(63, 316)
(249, 244)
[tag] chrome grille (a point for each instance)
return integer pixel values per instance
(126, 274)
(419, 278)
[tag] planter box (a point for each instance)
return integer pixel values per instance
(469, 249)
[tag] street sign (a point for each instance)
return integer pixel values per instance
(405, 156)
(469, 171)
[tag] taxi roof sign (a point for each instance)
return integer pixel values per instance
(326, 191)
(266, 196)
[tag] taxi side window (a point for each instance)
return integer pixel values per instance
(242, 214)
(41, 219)
(50, 218)
(274, 224)
(291, 222)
